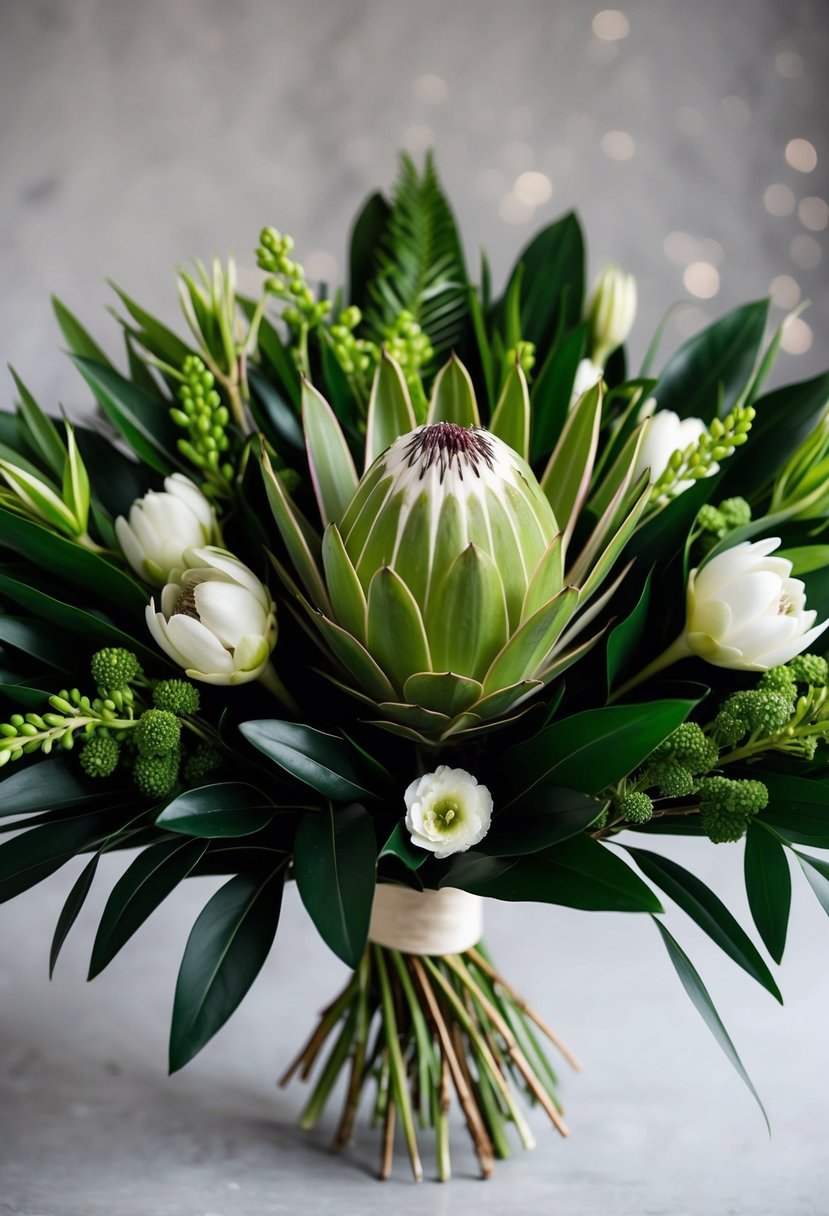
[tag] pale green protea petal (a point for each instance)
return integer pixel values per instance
(505, 699)
(356, 659)
(381, 542)
(444, 692)
(467, 617)
(358, 507)
(566, 480)
(453, 396)
(451, 538)
(413, 559)
(396, 636)
(332, 469)
(415, 717)
(302, 544)
(511, 420)
(547, 578)
(348, 600)
(390, 412)
(527, 649)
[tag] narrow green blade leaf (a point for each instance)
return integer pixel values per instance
(624, 639)
(69, 912)
(79, 341)
(709, 912)
(303, 546)
(40, 428)
(817, 872)
(390, 412)
(147, 882)
(225, 952)
(698, 993)
(144, 423)
(34, 855)
(511, 419)
(332, 469)
(768, 887)
(335, 857)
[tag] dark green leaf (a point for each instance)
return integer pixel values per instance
(399, 845)
(817, 872)
(41, 430)
(552, 290)
(709, 912)
(546, 816)
(276, 416)
(768, 887)
(76, 337)
(714, 366)
(225, 952)
(226, 808)
(69, 561)
(23, 696)
(147, 882)
(701, 999)
(798, 808)
(116, 479)
(625, 638)
(591, 750)
(156, 337)
(141, 419)
(335, 861)
(579, 873)
(35, 639)
(366, 236)
(44, 785)
(34, 855)
(69, 912)
(275, 354)
(325, 762)
(552, 389)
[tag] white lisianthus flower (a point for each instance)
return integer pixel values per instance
(665, 434)
(746, 611)
(447, 811)
(162, 525)
(588, 373)
(217, 620)
(611, 311)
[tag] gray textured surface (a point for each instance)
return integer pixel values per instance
(134, 134)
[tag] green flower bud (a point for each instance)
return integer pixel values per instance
(176, 696)
(635, 807)
(158, 732)
(113, 667)
(99, 756)
(672, 780)
(156, 776)
(810, 669)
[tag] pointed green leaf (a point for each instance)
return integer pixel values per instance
(390, 412)
(70, 910)
(324, 762)
(548, 817)
(566, 479)
(553, 281)
(623, 641)
(40, 428)
(511, 419)
(155, 336)
(146, 883)
(366, 237)
(797, 808)
(357, 660)
(224, 808)
(547, 579)
(40, 498)
(224, 954)
(302, 544)
(453, 396)
(76, 337)
(35, 639)
(552, 390)
(332, 468)
(529, 646)
(76, 481)
(146, 426)
(701, 999)
(34, 855)
(768, 887)
(396, 636)
(278, 417)
(817, 872)
(335, 859)
(709, 912)
(399, 845)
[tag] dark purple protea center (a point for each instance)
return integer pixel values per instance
(445, 443)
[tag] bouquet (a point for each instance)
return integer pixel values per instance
(412, 593)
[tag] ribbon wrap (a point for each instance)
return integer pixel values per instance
(447, 921)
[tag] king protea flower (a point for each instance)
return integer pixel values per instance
(439, 584)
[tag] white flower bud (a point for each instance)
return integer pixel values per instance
(665, 434)
(746, 612)
(587, 374)
(162, 525)
(447, 811)
(611, 312)
(217, 620)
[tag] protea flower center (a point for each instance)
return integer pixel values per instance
(445, 494)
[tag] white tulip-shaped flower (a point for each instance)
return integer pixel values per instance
(746, 611)
(217, 620)
(611, 312)
(163, 525)
(447, 811)
(665, 434)
(588, 373)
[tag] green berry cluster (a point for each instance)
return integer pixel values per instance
(523, 354)
(727, 806)
(356, 356)
(409, 346)
(759, 712)
(810, 669)
(287, 281)
(203, 416)
(114, 668)
(634, 807)
(99, 756)
(719, 521)
(698, 459)
(176, 697)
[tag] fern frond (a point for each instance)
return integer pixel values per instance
(420, 265)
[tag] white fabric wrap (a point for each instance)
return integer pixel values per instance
(426, 922)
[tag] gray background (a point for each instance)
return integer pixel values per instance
(133, 135)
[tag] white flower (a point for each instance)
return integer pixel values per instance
(587, 374)
(611, 311)
(745, 611)
(162, 525)
(665, 434)
(217, 620)
(447, 811)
